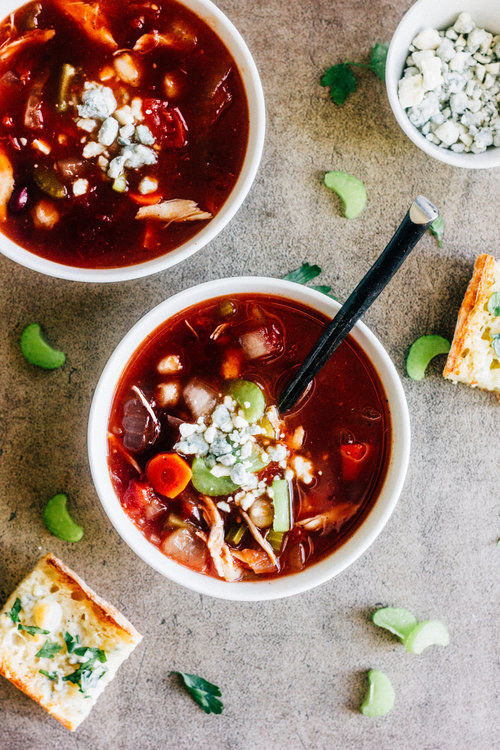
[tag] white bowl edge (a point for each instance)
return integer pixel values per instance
(290, 584)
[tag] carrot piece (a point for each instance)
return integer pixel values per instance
(352, 455)
(231, 365)
(145, 200)
(168, 474)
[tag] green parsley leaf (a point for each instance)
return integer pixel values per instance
(90, 653)
(71, 643)
(48, 650)
(494, 304)
(14, 612)
(495, 343)
(86, 676)
(437, 229)
(50, 675)
(303, 274)
(341, 82)
(32, 629)
(378, 59)
(203, 692)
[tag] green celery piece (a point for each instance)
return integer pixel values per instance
(58, 520)
(275, 539)
(235, 534)
(426, 633)
(303, 274)
(350, 190)
(422, 351)
(47, 180)
(494, 304)
(256, 462)
(207, 484)
(246, 392)
(396, 620)
(380, 697)
(378, 59)
(281, 502)
(36, 350)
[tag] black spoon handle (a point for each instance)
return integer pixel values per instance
(421, 214)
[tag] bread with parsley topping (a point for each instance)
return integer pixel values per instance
(60, 643)
(474, 357)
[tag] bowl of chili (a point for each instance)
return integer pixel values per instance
(130, 133)
(202, 477)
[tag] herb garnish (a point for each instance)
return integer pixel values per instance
(203, 692)
(50, 675)
(495, 343)
(341, 80)
(437, 229)
(71, 642)
(494, 304)
(88, 674)
(14, 612)
(48, 650)
(33, 629)
(307, 273)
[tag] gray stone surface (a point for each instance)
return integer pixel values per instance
(291, 671)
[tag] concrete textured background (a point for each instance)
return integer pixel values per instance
(291, 671)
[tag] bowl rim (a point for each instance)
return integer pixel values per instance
(410, 24)
(238, 48)
(284, 586)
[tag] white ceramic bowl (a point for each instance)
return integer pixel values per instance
(234, 42)
(437, 14)
(259, 590)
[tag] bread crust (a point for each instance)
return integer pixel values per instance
(109, 619)
(476, 297)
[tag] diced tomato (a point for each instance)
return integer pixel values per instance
(168, 473)
(352, 455)
(166, 123)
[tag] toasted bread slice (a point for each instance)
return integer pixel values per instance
(53, 599)
(472, 358)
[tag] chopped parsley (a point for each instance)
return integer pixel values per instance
(494, 304)
(33, 629)
(87, 675)
(437, 229)
(307, 273)
(341, 80)
(14, 612)
(48, 650)
(71, 643)
(204, 693)
(50, 675)
(495, 344)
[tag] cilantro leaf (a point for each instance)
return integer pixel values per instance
(33, 629)
(378, 59)
(494, 304)
(50, 675)
(71, 643)
(203, 692)
(341, 82)
(14, 612)
(303, 274)
(90, 653)
(437, 229)
(48, 650)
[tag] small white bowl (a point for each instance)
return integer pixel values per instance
(286, 585)
(234, 42)
(438, 14)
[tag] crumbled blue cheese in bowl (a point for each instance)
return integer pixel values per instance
(450, 87)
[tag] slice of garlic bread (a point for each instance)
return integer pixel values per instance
(474, 356)
(61, 643)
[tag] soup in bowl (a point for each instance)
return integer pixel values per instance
(129, 133)
(207, 481)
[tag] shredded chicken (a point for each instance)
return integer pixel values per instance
(117, 446)
(91, 20)
(10, 48)
(220, 553)
(6, 183)
(260, 539)
(326, 521)
(177, 209)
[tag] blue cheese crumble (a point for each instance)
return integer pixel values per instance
(451, 86)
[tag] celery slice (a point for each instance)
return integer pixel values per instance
(426, 633)
(380, 697)
(350, 190)
(422, 351)
(58, 520)
(249, 397)
(235, 534)
(207, 484)
(396, 620)
(275, 539)
(37, 351)
(281, 502)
